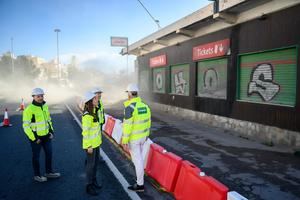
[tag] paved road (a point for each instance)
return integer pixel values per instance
(126, 167)
(254, 170)
(15, 163)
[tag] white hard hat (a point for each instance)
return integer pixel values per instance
(96, 90)
(88, 96)
(37, 91)
(132, 87)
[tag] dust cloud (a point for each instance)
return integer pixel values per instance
(18, 85)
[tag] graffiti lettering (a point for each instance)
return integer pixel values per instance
(262, 82)
(180, 83)
(158, 81)
(210, 80)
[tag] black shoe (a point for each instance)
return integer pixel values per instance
(96, 185)
(137, 188)
(91, 190)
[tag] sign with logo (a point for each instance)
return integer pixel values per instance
(212, 78)
(119, 41)
(269, 77)
(159, 80)
(211, 50)
(180, 79)
(158, 61)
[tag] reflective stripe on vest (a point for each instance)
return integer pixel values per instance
(90, 137)
(140, 132)
(136, 122)
(89, 128)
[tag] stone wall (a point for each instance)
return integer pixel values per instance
(268, 135)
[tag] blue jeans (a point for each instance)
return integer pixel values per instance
(36, 149)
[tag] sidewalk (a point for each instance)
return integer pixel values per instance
(254, 170)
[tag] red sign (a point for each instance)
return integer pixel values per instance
(157, 61)
(119, 41)
(210, 50)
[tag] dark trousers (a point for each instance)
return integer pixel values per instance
(91, 165)
(36, 149)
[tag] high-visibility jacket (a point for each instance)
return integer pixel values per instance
(37, 121)
(91, 133)
(100, 112)
(137, 120)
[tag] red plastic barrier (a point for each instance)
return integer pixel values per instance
(109, 126)
(163, 166)
(191, 186)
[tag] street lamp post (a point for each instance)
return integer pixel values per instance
(58, 66)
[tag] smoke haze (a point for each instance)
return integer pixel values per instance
(86, 75)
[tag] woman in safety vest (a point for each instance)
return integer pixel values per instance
(91, 141)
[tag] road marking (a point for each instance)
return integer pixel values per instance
(112, 167)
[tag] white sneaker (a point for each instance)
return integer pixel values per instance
(52, 175)
(40, 178)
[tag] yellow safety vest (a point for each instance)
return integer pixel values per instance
(137, 120)
(100, 112)
(91, 133)
(36, 121)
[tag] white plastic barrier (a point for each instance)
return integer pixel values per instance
(117, 131)
(146, 149)
(233, 195)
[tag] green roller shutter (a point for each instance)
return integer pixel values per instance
(180, 79)
(158, 80)
(268, 77)
(212, 78)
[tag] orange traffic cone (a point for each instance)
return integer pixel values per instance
(22, 106)
(5, 122)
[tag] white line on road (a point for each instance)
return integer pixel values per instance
(112, 167)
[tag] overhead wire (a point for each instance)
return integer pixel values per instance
(155, 20)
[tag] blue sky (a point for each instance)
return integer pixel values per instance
(86, 25)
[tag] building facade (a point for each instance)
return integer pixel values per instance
(237, 67)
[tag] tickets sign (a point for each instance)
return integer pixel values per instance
(210, 50)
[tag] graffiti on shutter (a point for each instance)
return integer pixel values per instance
(262, 82)
(212, 78)
(158, 80)
(180, 79)
(268, 77)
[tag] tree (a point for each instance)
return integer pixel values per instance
(5, 66)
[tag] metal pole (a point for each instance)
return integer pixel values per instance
(12, 55)
(127, 62)
(58, 66)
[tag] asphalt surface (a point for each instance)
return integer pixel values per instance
(16, 173)
(252, 169)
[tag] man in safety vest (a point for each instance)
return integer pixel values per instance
(38, 127)
(100, 112)
(136, 129)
